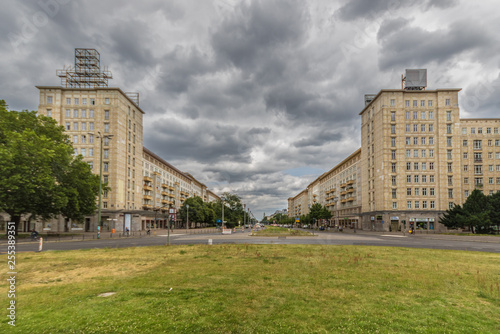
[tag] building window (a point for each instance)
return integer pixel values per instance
(417, 204)
(105, 166)
(106, 127)
(91, 151)
(415, 153)
(422, 128)
(431, 140)
(466, 155)
(490, 142)
(477, 144)
(407, 115)
(495, 130)
(106, 100)
(415, 140)
(50, 99)
(106, 114)
(408, 204)
(464, 143)
(478, 169)
(68, 113)
(68, 126)
(417, 191)
(408, 140)
(75, 126)
(472, 130)
(106, 153)
(415, 178)
(448, 116)
(83, 139)
(408, 178)
(424, 191)
(431, 178)
(104, 205)
(488, 130)
(415, 165)
(393, 167)
(393, 155)
(479, 130)
(106, 141)
(466, 168)
(91, 164)
(393, 115)
(84, 101)
(433, 206)
(424, 165)
(447, 102)
(407, 103)
(450, 180)
(415, 115)
(77, 101)
(431, 127)
(431, 191)
(431, 115)
(92, 102)
(422, 115)
(431, 153)
(394, 205)
(415, 103)
(91, 113)
(84, 113)
(68, 101)
(451, 205)
(408, 166)
(415, 127)
(408, 191)
(394, 191)
(478, 181)
(448, 154)
(450, 169)
(448, 141)
(490, 180)
(393, 180)
(75, 113)
(424, 153)
(424, 178)
(448, 128)
(393, 128)
(431, 165)
(408, 153)
(422, 140)
(430, 103)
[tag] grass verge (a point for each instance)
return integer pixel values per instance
(256, 289)
(272, 231)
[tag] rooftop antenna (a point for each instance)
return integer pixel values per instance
(87, 71)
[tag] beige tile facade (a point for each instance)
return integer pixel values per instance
(417, 159)
(85, 113)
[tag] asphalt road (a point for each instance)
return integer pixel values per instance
(434, 241)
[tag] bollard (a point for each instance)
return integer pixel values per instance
(209, 241)
(40, 245)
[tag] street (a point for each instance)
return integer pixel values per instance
(361, 238)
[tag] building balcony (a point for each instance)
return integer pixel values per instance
(350, 182)
(343, 185)
(146, 187)
(343, 193)
(163, 185)
(147, 206)
(147, 197)
(164, 193)
(183, 198)
(478, 160)
(350, 190)
(164, 201)
(343, 200)
(171, 195)
(147, 178)
(350, 199)
(171, 188)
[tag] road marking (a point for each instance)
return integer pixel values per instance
(392, 235)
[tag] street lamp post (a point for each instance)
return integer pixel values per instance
(223, 199)
(101, 137)
(244, 216)
(187, 219)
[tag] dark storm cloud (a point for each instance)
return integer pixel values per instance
(415, 46)
(258, 28)
(318, 139)
(370, 9)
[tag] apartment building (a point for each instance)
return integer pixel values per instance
(92, 115)
(144, 188)
(418, 158)
(165, 188)
(338, 190)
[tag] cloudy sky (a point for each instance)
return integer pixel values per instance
(255, 97)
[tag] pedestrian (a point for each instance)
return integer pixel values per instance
(127, 231)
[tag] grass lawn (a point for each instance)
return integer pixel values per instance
(255, 289)
(272, 231)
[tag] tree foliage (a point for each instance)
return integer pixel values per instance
(40, 176)
(479, 213)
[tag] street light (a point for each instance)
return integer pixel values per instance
(101, 137)
(187, 219)
(223, 199)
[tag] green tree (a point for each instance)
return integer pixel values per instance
(477, 211)
(196, 210)
(495, 209)
(37, 164)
